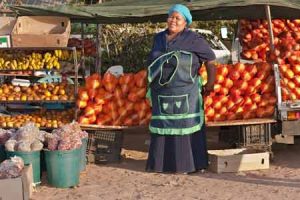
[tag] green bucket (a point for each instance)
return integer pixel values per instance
(34, 158)
(2, 153)
(63, 167)
(83, 154)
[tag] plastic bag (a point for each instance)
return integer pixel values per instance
(67, 137)
(24, 146)
(28, 132)
(64, 145)
(52, 142)
(10, 145)
(11, 168)
(83, 134)
(36, 146)
(42, 136)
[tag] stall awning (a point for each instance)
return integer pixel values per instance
(131, 11)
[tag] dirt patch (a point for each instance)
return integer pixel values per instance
(128, 179)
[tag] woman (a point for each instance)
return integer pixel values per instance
(178, 141)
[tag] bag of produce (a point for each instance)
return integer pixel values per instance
(24, 146)
(11, 168)
(10, 145)
(36, 146)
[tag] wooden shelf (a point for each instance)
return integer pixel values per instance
(105, 127)
(31, 75)
(241, 122)
(34, 101)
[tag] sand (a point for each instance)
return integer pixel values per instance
(128, 180)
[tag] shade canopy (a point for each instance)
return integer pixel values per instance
(133, 11)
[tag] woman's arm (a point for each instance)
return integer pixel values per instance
(157, 48)
(211, 75)
(206, 55)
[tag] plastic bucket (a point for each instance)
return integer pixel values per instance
(2, 153)
(83, 154)
(63, 167)
(34, 158)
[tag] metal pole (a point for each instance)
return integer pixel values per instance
(268, 13)
(86, 70)
(98, 46)
(275, 66)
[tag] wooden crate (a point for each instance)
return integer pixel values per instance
(41, 31)
(236, 160)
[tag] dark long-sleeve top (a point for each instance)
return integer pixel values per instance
(187, 40)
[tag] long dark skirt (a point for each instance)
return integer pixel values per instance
(181, 154)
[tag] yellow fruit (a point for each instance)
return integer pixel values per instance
(3, 124)
(10, 98)
(47, 93)
(62, 92)
(10, 124)
(54, 98)
(23, 98)
(3, 98)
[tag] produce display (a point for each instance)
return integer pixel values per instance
(67, 137)
(255, 40)
(111, 100)
(43, 118)
(241, 91)
(11, 168)
(290, 78)
(27, 138)
(37, 92)
(89, 45)
(23, 60)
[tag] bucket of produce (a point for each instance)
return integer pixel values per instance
(63, 155)
(32, 157)
(83, 153)
(63, 167)
(26, 142)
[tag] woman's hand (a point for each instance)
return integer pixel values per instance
(207, 89)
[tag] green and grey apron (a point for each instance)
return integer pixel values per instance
(176, 100)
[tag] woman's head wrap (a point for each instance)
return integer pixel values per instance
(182, 10)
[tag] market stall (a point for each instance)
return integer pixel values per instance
(154, 10)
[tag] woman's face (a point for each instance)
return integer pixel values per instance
(176, 23)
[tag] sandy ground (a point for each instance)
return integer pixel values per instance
(128, 180)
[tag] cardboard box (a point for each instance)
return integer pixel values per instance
(41, 31)
(236, 160)
(6, 27)
(17, 188)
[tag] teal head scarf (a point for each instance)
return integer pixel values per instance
(182, 10)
